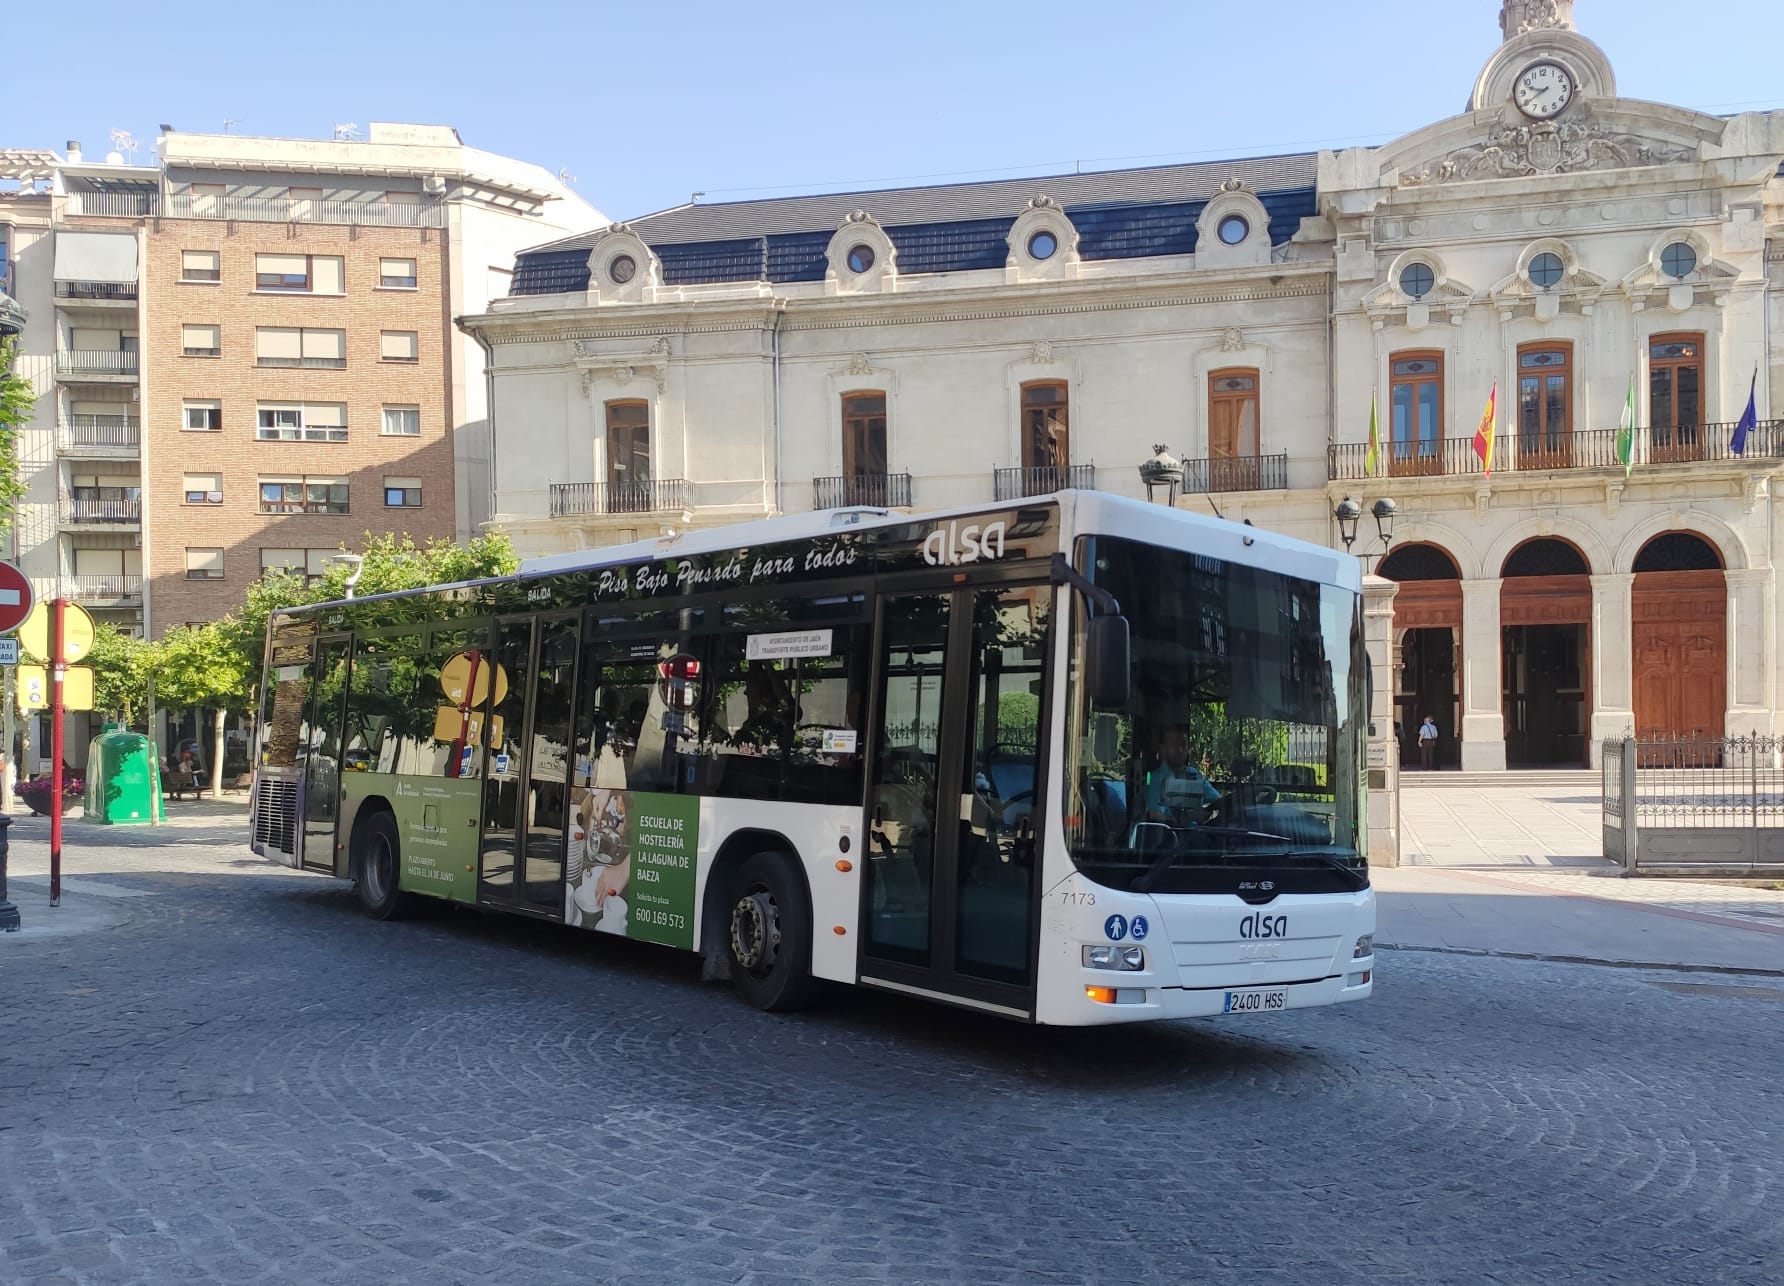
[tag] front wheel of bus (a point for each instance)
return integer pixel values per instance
(770, 934)
(377, 867)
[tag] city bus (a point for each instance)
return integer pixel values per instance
(1073, 759)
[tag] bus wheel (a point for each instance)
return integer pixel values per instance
(770, 934)
(377, 866)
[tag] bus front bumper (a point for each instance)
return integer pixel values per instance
(1101, 1005)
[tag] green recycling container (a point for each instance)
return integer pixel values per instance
(123, 779)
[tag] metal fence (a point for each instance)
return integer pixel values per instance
(1695, 804)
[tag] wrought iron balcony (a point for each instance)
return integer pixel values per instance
(101, 590)
(101, 513)
(94, 361)
(876, 490)
(99, 291)
(101, 436)
(1014, 484)
(1236, 473)
(659, 495)
(1519, 452)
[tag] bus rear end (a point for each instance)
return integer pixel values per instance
(1211, 857)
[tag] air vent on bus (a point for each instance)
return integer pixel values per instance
(275, 816)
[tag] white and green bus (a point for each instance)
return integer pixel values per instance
(1073, 759)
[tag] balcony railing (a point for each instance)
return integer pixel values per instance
(661, 495)
(129, 205)
(373, 214)
(307, 363)
(101, 512)
(1235, 473)
(877, 490)
(102, 589)
(125, 290)
(101, 435)
(1014, 484)
(1517, 452)
(94, 361)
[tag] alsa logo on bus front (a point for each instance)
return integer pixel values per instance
(954, 544)
(1259, 925)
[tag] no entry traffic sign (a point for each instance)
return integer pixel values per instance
(15, 598)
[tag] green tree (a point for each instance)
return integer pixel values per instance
(122, 664)
(16, 403)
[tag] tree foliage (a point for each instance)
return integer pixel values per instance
(17, 401)
(121, 665)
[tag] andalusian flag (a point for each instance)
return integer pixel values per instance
(1488, 430)
(1626, 431)
(1372, 457)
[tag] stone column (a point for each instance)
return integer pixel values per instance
(1483, 718)
(1613, 661)
(1384, 751)
(1750, 651)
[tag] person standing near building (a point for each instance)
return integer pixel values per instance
(1428, 744)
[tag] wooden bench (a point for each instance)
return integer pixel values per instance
(176, 783)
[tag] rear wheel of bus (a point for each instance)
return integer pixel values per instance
(377, 867)
(770, 934)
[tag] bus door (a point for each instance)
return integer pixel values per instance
(502, 754)
(320, 752)
(949, 902)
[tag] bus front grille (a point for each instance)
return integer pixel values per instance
(275, 817)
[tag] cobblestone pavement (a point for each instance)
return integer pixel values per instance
(245, 1081)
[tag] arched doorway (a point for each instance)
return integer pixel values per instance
(1679, 639)
(1428, 625)
(1545, 607)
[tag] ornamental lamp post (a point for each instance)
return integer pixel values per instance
(1162, 472)
(1349, 513)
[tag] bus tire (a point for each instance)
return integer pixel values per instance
(768, 932)
(377, 867)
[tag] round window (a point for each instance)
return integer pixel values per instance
(1234, 229)
(1545, 270)
(1678, 260)
(1417, 280)
(1042, 245)
(622, 269)
(860, 258)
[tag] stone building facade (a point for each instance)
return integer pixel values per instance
(1563, 248)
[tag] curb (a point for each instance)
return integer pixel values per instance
(1586, 960)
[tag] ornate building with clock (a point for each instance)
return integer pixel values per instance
(1595, 258)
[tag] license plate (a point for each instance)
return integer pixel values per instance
(1254, 1002)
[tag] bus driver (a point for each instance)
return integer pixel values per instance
(1176, 784)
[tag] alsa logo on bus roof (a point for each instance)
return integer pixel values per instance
(954, 544)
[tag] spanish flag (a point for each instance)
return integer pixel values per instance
(1484, 435)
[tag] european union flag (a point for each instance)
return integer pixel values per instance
(1749, 419)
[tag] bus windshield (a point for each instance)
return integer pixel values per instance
(1240, 756)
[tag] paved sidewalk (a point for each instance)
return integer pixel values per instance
(1519, 872)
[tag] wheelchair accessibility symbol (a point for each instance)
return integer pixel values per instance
(1116, 927)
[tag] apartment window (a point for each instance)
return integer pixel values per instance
(203, 488)
(1415, 412)
(202, 415)
(204, 562)
(292, 346)
(402, 493)
(200, 265)
(1545, 403)
(1233, 414)
(1046, 438)
(1675, 397)
(201, 341)
(206, 199)
(399, 346)
(864, 435)
(301, 422)
(396, 273)
(282, 560)
(402, 422)
(628, 449)
(299, 274)
(303, 495)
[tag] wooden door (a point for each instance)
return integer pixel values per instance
(1680, 654)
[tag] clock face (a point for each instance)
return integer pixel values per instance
(1543, 89)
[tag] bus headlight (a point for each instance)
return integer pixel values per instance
(1126, 958)
(1365, 947)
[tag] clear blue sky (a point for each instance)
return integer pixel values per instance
(645, 102)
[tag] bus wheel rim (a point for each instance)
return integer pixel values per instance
(756, 931)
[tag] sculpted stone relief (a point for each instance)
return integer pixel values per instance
(1551, 147)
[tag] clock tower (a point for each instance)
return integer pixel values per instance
(1545, 67)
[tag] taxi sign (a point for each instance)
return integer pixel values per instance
(9, 651)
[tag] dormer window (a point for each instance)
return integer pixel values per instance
(860, 258)
(1234, 229)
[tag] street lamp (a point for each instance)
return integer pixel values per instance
(1349, 514)
(1164, 471)
(357, 563)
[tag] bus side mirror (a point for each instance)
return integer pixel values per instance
(1107, 662)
